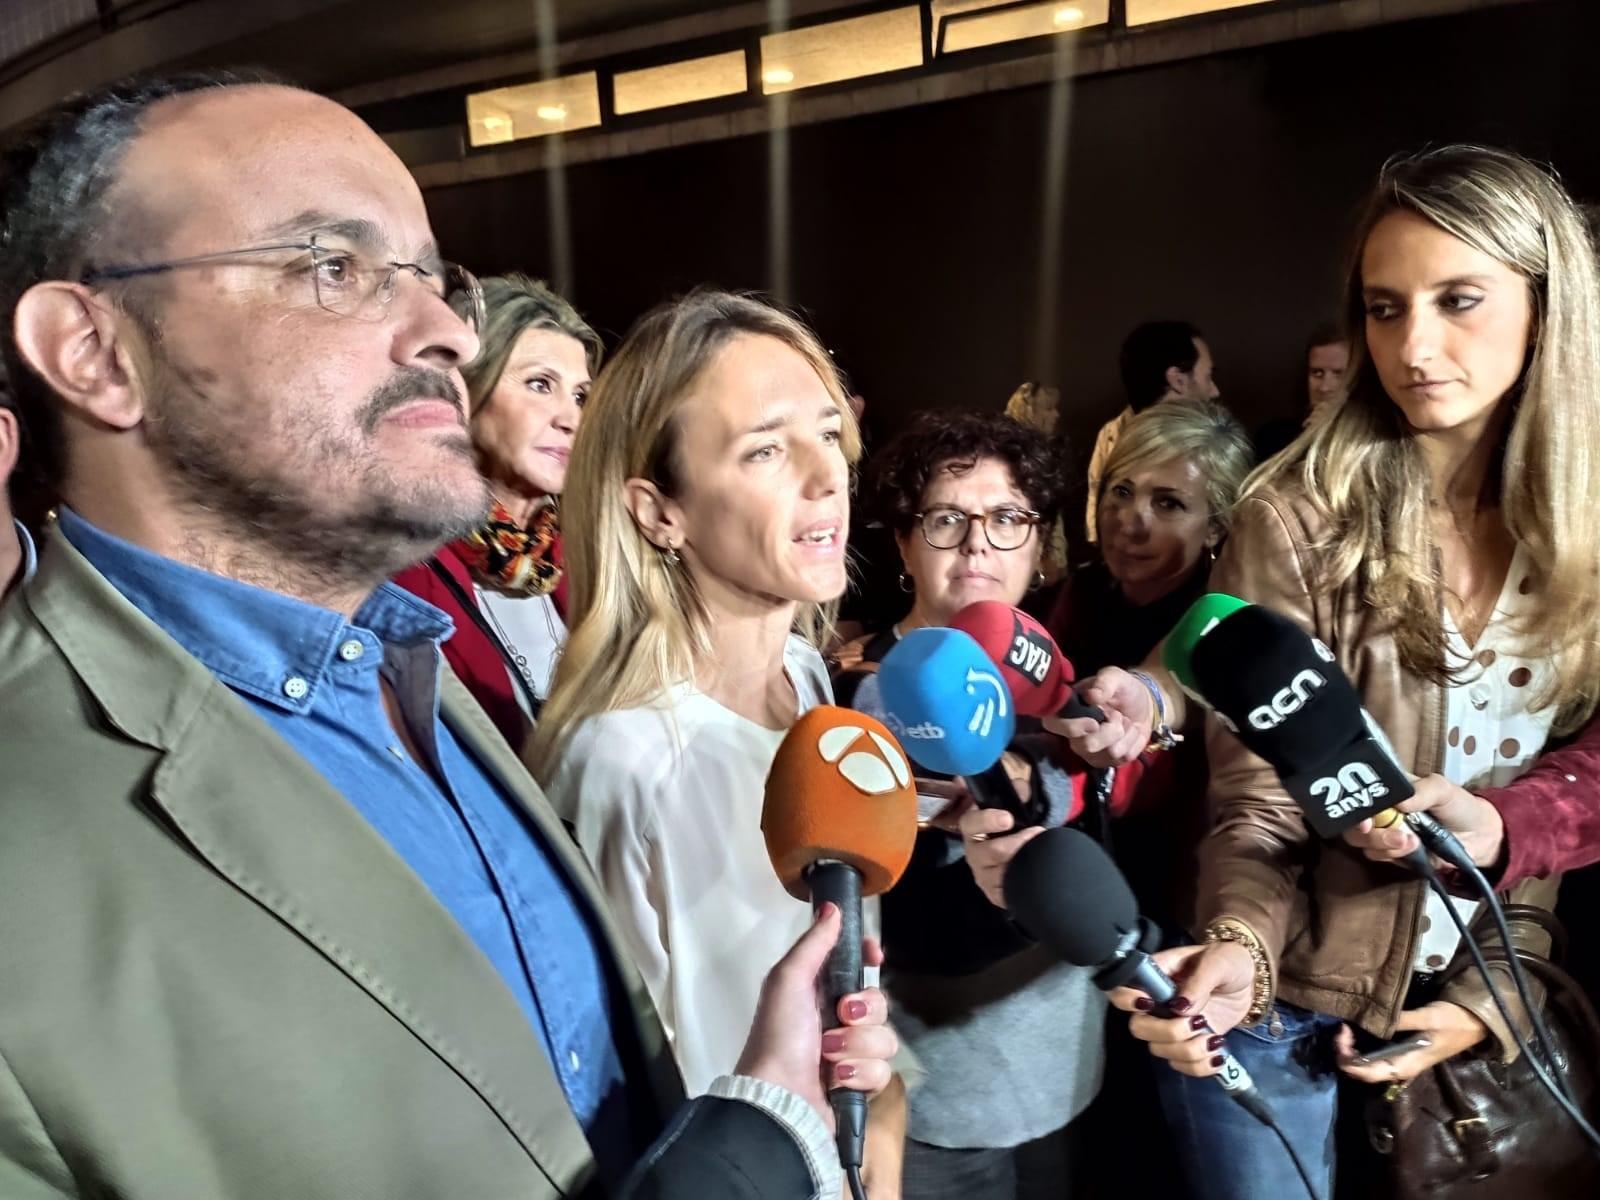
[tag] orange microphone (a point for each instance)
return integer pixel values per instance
(840, 820)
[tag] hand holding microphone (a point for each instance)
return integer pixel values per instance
(840, 822)
(1283, 694)
(1475, 822)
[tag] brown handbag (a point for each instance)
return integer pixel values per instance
(1476, 1127)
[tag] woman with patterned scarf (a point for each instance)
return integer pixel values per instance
(502, 584)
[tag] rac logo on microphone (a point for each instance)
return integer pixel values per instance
(1287, 701)
(1028, 656)
(1355, 786)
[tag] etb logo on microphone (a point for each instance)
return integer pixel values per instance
(1355, 786)
(1287, 701)
(992, 698)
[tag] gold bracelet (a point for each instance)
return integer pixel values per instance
(1230, 929)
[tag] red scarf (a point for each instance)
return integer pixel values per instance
(505, 557)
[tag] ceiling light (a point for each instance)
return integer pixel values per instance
(832, 52)
(967, 24)
(551, 112)
(685, 82)
(1147, 12)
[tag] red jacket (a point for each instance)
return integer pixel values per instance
(1552, 813)
(476, 660)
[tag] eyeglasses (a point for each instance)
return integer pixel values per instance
(345, 282)
(1007, 528)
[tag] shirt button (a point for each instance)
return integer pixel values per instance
(572, 1057)
(352, 650)
(1572, 779)
(295, 688)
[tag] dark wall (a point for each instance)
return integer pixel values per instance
(1220, 190)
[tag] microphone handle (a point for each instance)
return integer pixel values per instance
(1138, 970)
(1075, 709)
(992, 788)
(831, 880)
(1441, 841)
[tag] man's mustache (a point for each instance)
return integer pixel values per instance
(412, 383)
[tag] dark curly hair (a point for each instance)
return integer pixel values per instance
(899, 474)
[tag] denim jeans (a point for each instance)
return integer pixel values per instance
(1225, 1152)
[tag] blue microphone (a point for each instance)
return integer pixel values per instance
(947, 703)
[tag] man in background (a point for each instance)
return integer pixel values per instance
(1160, 360)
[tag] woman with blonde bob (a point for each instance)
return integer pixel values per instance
(711, 479)
(1433, 529)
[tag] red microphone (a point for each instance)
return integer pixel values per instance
(1039, 675)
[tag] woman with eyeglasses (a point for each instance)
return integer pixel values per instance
(1011, 1039)
(503, 583)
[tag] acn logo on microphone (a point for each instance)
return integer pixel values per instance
(1356, 786)
(1288, 701)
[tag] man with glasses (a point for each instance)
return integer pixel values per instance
(283, 915)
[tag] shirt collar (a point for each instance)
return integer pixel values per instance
(268, 645)
(30, 555)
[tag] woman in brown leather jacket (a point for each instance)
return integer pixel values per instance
(1430, 527)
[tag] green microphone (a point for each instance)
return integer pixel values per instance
(1203, 616)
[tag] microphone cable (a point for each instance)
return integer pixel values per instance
(858, 1190)
(1253, 1104)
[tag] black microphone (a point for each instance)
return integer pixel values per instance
(1065, 891)
(1284, 695)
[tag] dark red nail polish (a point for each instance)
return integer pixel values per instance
(1181, 1004)
(1144, 1004)
(1212, 1043)
(856, 1010)
(844, 1071)
(832, 1043)
(1197, 1022)
(1217, 1060)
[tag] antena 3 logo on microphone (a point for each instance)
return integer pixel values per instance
(1287, 701)
(1028, 655)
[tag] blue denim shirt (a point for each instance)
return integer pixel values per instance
(315, 679)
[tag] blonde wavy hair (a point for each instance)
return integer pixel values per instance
(1201, 431)
(1361, 471)
(638, 625)
(1036, 406)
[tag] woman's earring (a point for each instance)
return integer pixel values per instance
(1038, 578)
(672, 557)
(1212, 551)
(906, 585)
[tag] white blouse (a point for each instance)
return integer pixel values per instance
(1493, 736)
(532, 630)
(666, 802)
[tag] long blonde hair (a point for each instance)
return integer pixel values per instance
(639, 624)
(1360, 469)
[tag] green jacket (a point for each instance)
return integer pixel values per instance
(216, 979)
